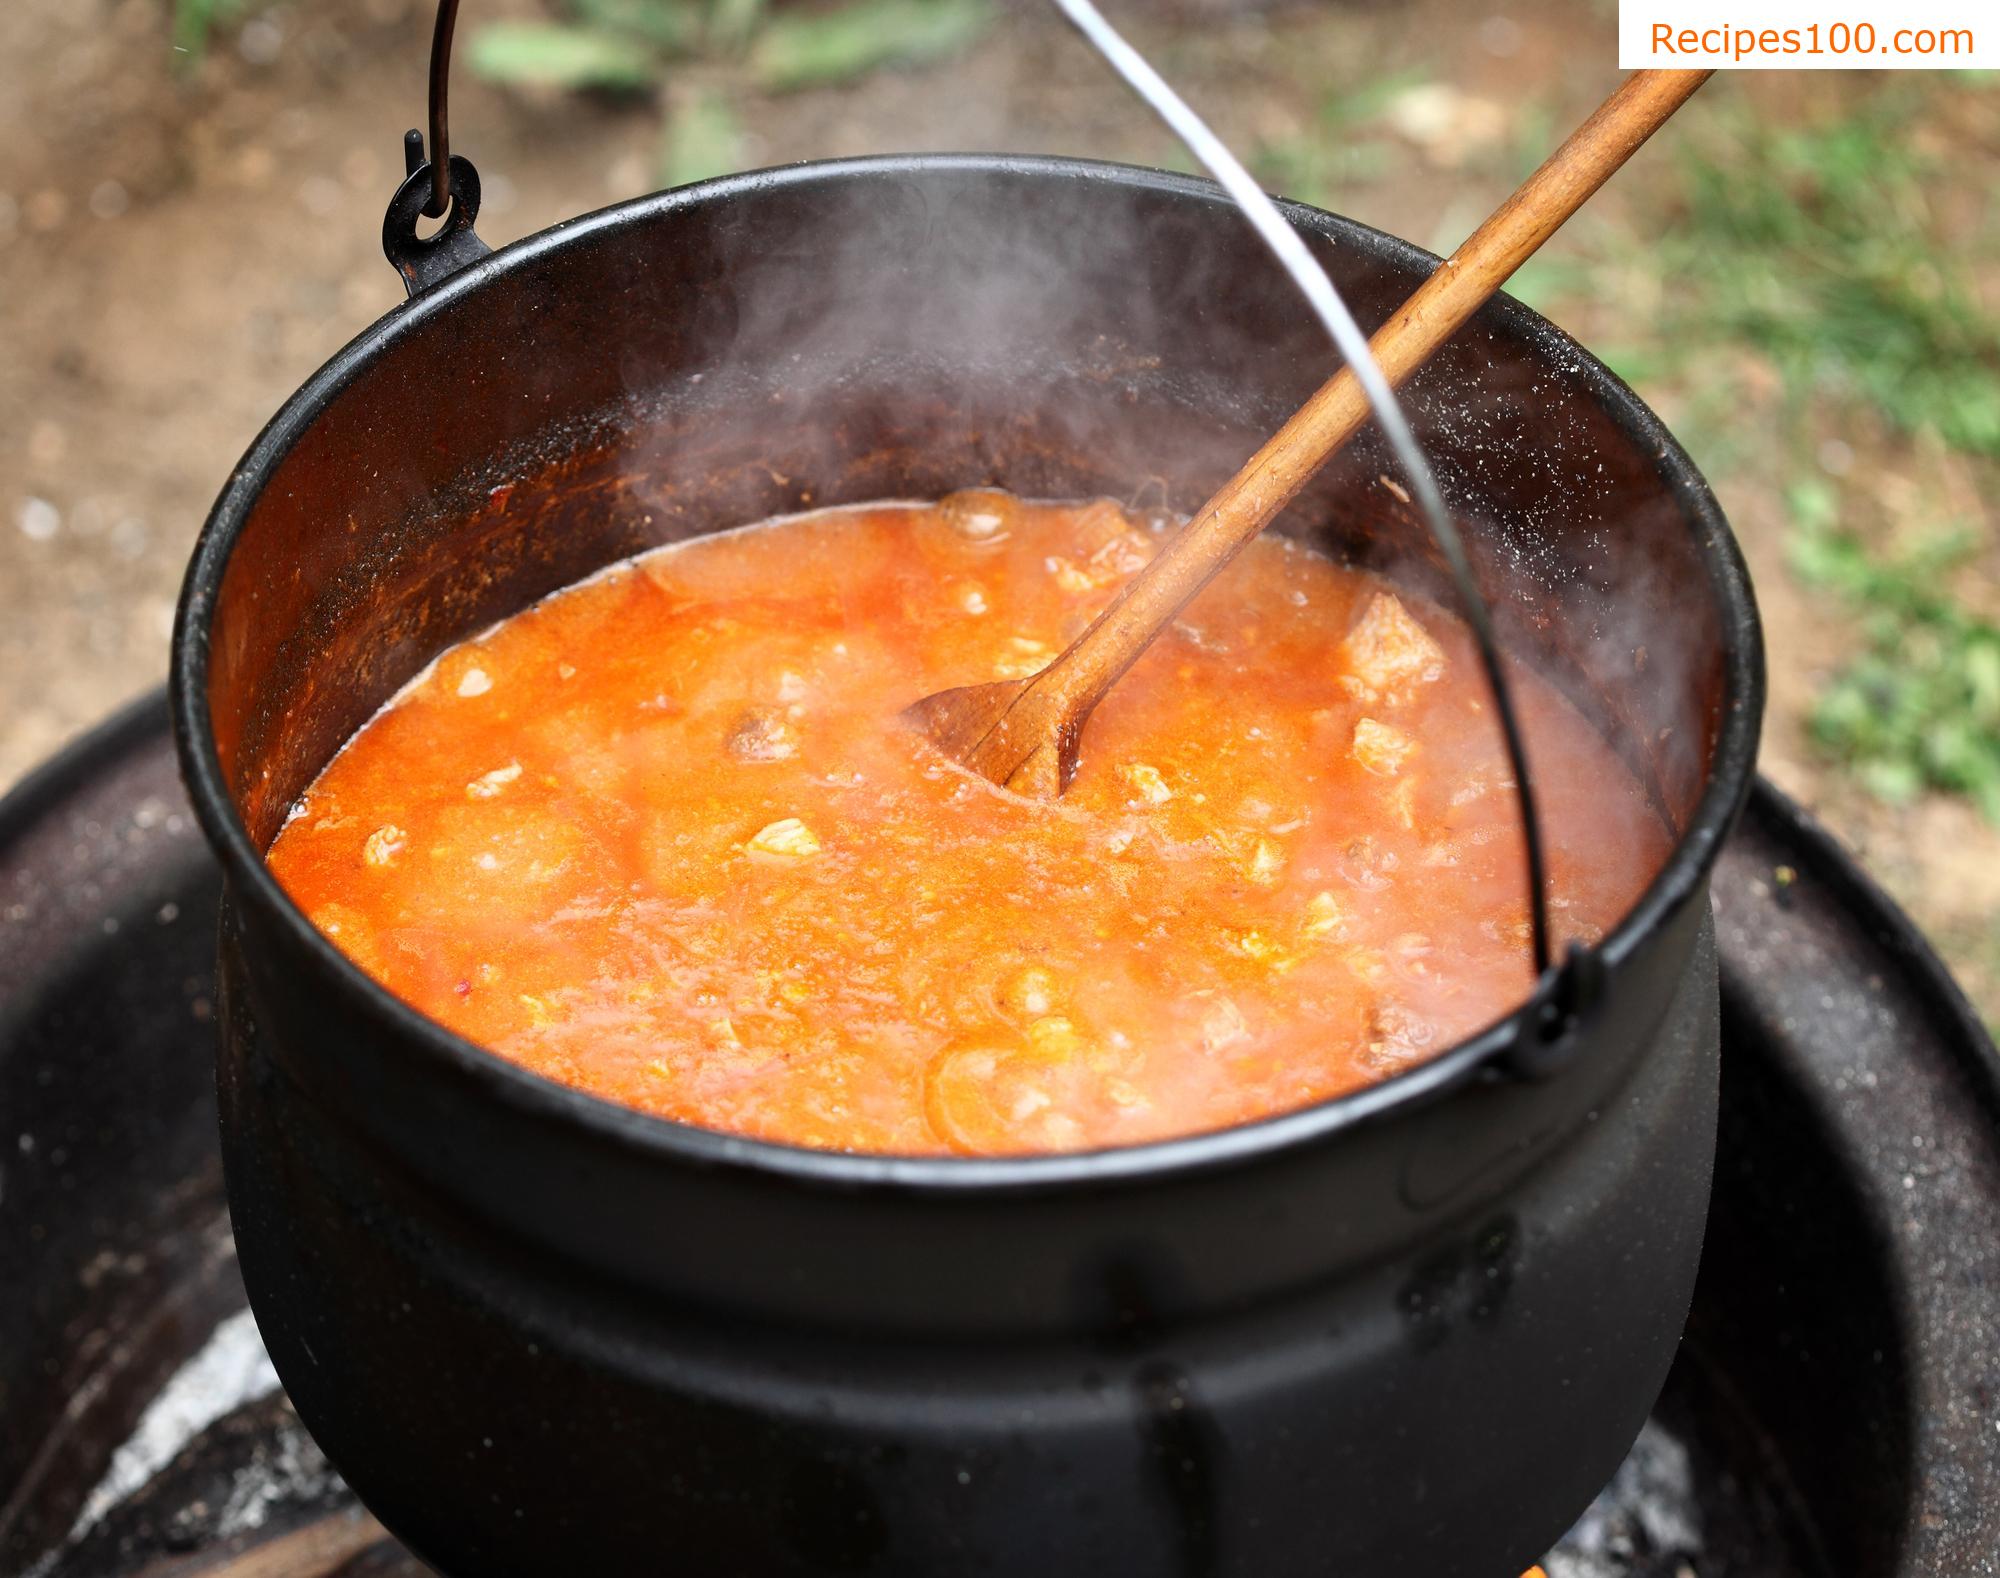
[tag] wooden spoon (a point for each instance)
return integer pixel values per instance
(1023, 732)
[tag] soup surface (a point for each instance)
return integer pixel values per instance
(660, 837)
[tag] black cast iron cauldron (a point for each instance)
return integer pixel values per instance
(1408, 1331)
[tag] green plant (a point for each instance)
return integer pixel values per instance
(195, 20)
(701, 137)
(556, 55)
(642, 46)
(809, 48)
(1919, 707)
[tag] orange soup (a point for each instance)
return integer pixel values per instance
(660, 837)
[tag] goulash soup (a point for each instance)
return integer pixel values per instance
(661, 837)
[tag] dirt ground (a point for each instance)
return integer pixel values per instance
(179, 248)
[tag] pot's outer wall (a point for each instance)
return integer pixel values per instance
(1414, 1329)
(1445, 1411)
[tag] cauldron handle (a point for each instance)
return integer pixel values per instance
(434, 186)
(1547, 1031)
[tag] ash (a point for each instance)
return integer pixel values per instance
(219, 1456)
(218, 1459)
(285, 1472)
(230, 1370)
(1645, 1524)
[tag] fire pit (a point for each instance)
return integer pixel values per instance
(1831, 1411)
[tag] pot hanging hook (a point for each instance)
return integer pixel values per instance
(440, 185)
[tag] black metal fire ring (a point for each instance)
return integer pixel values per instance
(1839, 1389)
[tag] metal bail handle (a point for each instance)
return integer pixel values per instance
(434, 187)
(1550, 1025)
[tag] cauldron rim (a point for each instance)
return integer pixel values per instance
(1680, 879)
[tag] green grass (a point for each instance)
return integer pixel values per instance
(1810, 253)
(1919, 706)
(1818, 250)
(1791, 280)
(806, 49)
(1813, 255)
(1807, 260)
(1818, 247)
(1342, 151)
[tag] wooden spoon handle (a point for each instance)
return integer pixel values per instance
(1073, 684)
